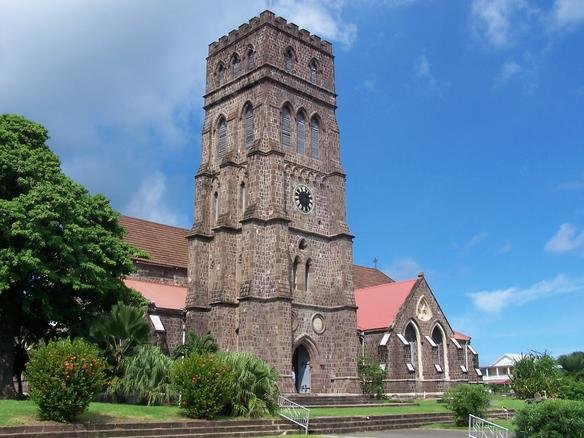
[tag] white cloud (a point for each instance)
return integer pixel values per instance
(568, 238)
(499, 21)
(403, 268)
(576, 185)
(496, 300)
(422, 72)
(477, 239)
(323, 18)
(506, 248)
(508, 70)
(149, 202)
(567, 14)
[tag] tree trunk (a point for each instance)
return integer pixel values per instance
(7, 357)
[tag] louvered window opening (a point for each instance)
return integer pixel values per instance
(314, 138)
(285, 127)
(248, 126)
(313, 71)
(221, 75)
(288, 60)
(235, 66)
(300, 133)
(251, 59)
(307, 276)
(222, 140)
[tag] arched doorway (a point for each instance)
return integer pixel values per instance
(301, 365)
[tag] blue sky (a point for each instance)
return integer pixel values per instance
(462, 131)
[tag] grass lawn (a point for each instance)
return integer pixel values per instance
(13, 413)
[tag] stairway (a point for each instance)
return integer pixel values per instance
(220, 428)
(334, 401)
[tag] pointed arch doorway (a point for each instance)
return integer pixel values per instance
(301, 366)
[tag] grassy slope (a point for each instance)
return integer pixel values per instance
(24, 412)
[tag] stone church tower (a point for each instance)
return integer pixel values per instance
(270, 252)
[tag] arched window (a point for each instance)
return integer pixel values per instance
(242, 197)
(288, 59)
(235, 65)
(215, 207)
(313, 71)
(221, 74)
(307, 275)
(314, 133)
(439, 349)
(412, 348)
(286, 127)
(300, 133)
(293, 279)
(248, 125)
(221, 138)
(250, 59)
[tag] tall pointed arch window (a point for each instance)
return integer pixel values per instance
(248, 125)
(438, 349)
(313, 71)
(314, 137)
(222, 138)
(242, 197)
(215, 207)
(250, 59)
(221, 75)
(294, 274)
(307, 275)
(300, 133)
(285, 127)
(288, 59)
(235, 65)
(411, 348)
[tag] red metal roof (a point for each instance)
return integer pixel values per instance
(377, 306)
(461, 336)
(164, 296)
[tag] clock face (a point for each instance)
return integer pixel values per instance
(303, 199)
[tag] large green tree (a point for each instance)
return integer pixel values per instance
(62, 256)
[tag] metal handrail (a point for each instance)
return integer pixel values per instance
(294, 412)
(481, 428)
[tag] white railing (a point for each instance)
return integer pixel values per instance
(479, 428)
(294, 412)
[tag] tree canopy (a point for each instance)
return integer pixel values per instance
(62, 257)
(535, 373)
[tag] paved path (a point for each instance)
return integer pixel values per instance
(406, 433)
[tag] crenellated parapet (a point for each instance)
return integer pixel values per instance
(268, 18)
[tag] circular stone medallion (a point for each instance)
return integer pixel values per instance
(318, 323)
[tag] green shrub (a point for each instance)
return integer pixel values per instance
(535, 374)
(371, 377)
(551, 419)
(467, 399)
(571, 389)
(119, 333)
(204, 383)
(254, 392)
(200, 344)
(145, 377)
(64, 376)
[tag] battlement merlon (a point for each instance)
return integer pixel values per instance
(269, 18)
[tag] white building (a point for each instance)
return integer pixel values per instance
(498, 372)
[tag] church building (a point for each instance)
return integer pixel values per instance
(267, 266)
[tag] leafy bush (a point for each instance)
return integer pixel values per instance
(145, 377)
(535, 373)
(119, 333)
(573, 364)
(64, 376)
(204, 383)
(371, 377)
(551, 419)
(254, 392)
(200, 344)
(467, 399)
(571, 389)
